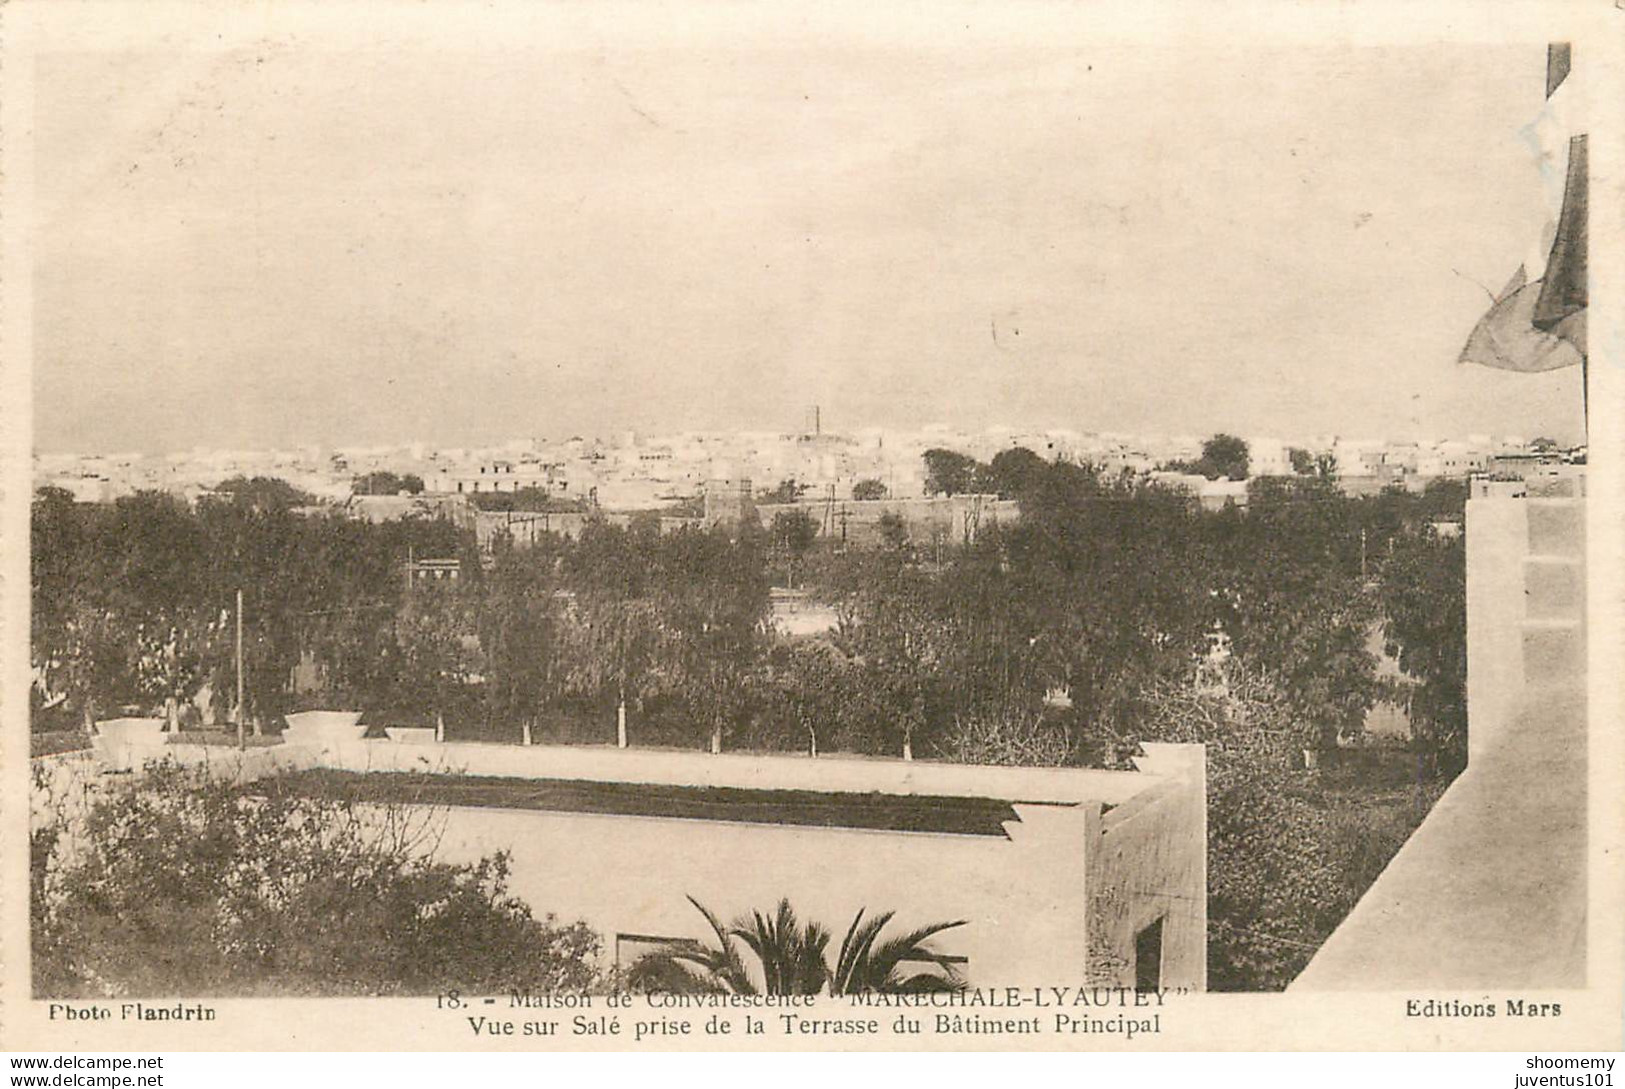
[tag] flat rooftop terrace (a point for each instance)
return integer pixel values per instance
(823, 775)
(881, 812)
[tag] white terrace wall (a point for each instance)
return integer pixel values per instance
(1525, 605)
(1022, 898)
(1148, 862)
(1026, 896)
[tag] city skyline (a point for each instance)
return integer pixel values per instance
(951, 437)
(331, 248)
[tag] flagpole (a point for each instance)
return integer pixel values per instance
(1537, 323)
(1559, 59)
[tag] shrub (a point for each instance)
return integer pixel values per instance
(1006, 735)
(179, 885)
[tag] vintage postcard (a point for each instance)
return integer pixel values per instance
(694, 526)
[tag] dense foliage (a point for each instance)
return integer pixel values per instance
(133, 602)
(1055, 625)
(1290, 850)
(1112, 612)
(1426, 629)
(785, 491)
(180, 885)
(1224, 457)
(384, 482)
(530, 498)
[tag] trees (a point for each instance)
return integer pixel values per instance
(870, 489)
(811, 700)
(133, 604)
(336, 592)
(793, 533)
(786, 491)
(1226, 457)
(1223, 456)
(1015, 472)
(1111, 584)
(790, 958)
(1006, 735)
(714, 596)
(119, 617)
(899, 635)
(1277, 881)
(1423, 594)
(948, 472)
(1293, 601)
(263, 493)
(436, 632)
(1104, 587)
(679, 615)
(791, 955)
(520, 630)
(529, 498)
(383, 482)
(76, 642)
(612, 639)
(182, 885)
(1323, 465)
(59, 535)
(261, 550)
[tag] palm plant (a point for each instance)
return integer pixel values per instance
(792, 958)
(682, 967)
(791, 955)
(863, 966)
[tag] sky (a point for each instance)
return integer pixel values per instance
(281, 245)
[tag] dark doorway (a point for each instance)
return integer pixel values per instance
(1148, 958)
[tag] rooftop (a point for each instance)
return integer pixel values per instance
(917, 813)
(828, 775)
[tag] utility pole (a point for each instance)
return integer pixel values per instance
(242, 738)
(1362, 553)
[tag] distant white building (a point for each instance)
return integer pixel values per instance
(1452, 459)
(494, 476)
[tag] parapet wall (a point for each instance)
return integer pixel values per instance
(1525, 605)
(1091, 856)
(1148, 863)
(746, 771)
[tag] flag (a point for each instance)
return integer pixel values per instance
(1537, 323)
(1509, 339)
(1563, 287)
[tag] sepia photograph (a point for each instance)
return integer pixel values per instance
(572, 521)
